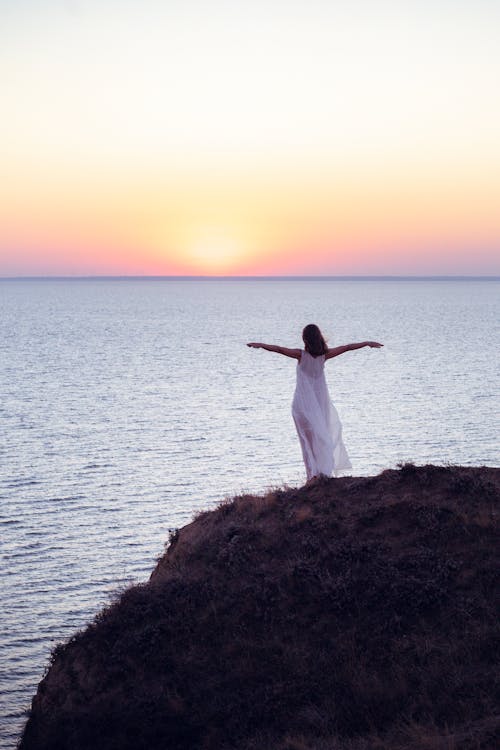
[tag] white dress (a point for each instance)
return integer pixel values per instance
(316, 419)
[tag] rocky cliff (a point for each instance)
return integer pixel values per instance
(353, 614)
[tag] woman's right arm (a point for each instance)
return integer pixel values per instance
(294, 353)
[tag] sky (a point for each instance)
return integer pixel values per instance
(350, 137)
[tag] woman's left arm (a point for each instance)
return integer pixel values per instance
(350, 347)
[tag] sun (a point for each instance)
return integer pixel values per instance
(214, 251)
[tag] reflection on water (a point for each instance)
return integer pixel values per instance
(128, 405)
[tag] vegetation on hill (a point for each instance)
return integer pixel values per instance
(351, 614)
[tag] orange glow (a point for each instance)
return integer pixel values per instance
(323, 140)
(294, 222)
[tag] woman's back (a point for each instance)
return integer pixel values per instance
(311, 382)
(313, 367)
(316, 419)
(311, 392)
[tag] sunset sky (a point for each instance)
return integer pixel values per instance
(263, 137)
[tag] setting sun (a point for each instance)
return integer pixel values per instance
(213, 251)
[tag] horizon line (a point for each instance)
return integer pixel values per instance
(270, 277)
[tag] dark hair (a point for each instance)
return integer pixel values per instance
(313, 339)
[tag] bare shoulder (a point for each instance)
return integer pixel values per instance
(332, 353)
(294, 353)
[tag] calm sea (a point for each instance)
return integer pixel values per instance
(127, 405)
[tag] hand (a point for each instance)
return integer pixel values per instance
(374, 344)
(254, 345)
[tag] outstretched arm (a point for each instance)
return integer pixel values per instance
(350, 347)
(294, 353)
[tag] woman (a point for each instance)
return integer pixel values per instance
(316, 419)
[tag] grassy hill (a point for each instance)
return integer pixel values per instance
(353, 614)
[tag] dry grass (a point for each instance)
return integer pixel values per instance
(354, 614)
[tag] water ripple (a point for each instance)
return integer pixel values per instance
(127, 406)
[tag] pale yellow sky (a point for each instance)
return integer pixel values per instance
(208, 136)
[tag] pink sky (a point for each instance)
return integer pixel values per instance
(342, 138)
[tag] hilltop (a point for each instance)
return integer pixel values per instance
(352, 614)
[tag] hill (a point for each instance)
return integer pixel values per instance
(351, 614)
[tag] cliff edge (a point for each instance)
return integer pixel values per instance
(353, 614)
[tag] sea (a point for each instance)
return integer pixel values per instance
(127, 405)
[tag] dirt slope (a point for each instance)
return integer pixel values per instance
(354, 614)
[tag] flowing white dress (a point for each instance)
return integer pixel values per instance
(316, 419)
